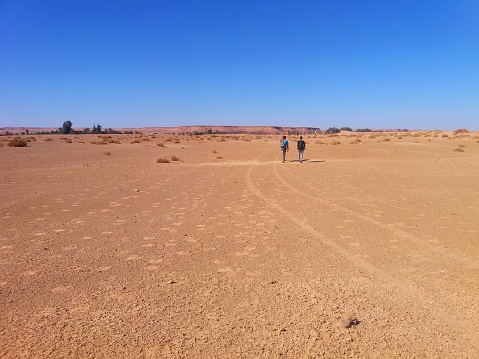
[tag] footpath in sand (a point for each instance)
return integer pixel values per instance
(368, 249)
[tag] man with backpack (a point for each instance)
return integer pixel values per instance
(301, 148)
(284, 146)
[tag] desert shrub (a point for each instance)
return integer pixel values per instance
(135, 141)
(355, 142)
(346, 129)
(174, 158)
(47, 139)
(172, 139)
(461, 145)
(461, 130)
(214, 151)
(219, 157)
(386, 140)
(107, 153)
(335, 143)
(163, 160)
(17, 142)
(319, 142)
(444, 135)
(458, 149)
(160, 144)
(332, 130)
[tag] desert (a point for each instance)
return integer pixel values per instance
(208, 246)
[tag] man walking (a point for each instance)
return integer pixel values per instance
(301, 148)
(284, 146)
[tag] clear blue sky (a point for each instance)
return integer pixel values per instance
(377, 64)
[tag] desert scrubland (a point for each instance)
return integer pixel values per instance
(209, 247)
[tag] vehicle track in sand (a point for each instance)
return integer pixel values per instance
(423, 291)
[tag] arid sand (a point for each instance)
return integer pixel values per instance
(368, 249)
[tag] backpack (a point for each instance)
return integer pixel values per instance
(301, 145)
(282, 144)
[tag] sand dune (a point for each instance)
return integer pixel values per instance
(367, 249)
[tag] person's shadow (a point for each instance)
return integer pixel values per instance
(311, 161)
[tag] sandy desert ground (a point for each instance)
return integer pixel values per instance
(368, 249)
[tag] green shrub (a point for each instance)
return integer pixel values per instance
(332, 130)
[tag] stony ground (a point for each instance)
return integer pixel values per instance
(368, 249)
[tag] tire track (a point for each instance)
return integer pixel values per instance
(473, 264)
(274, 204)
(404, 290)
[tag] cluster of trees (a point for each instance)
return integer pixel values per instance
(333, 130)
(97, 128)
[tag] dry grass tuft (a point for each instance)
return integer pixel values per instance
(17, 142)
(107, 153)
(174, 158)
(335, 143)
(163, 160)
(460, 130)
(160, 144)
(459, 149)
(355, 142)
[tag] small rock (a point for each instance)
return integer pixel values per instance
(137, 190)
(351, 321)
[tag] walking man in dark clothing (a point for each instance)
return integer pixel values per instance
(301, 148)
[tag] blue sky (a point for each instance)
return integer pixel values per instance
(363, 64)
